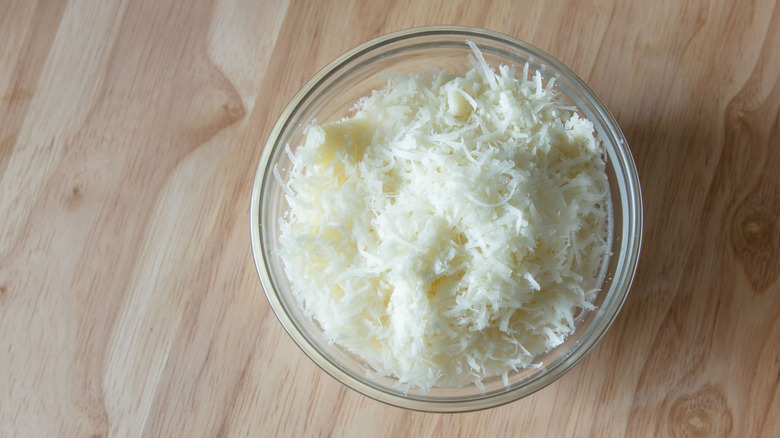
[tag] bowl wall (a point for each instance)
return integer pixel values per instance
(330, 95)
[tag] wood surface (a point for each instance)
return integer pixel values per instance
(129, 136)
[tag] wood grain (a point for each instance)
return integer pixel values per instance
(129, 133)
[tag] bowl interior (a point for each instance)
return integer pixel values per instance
(329, 96)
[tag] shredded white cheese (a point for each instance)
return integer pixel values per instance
(452, 228)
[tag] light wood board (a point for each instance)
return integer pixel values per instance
(129, 135)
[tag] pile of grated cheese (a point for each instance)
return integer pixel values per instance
(452, 228)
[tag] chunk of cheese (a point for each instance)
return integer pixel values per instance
(452, 228)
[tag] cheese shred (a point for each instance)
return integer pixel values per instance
(452, 228)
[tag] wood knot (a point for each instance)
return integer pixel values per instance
(756, 232)
(756, 241)
(71, 198)
(704, 413)
(234, 110)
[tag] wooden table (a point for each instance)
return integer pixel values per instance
(129, 135)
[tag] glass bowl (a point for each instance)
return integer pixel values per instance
(329, 96)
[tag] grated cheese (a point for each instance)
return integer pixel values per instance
(452, 228)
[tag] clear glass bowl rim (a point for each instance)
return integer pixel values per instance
(623, 277)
